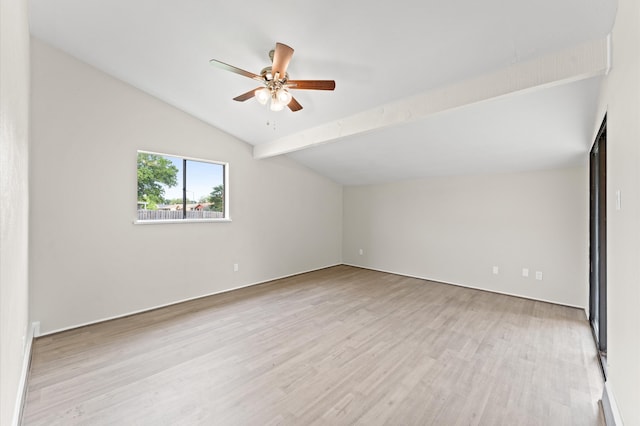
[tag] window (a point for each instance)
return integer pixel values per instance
(174, 189)
(598, 242)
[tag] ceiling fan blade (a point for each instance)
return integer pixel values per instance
(233, 69)
(294, 105)
(245, 96)
(312, 84)
(281, 58)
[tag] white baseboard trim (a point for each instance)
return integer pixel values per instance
(24, 373)
(610, 408)
(469, 286)
(139, 311)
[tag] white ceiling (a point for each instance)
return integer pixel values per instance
(377, 52)
(542, 129)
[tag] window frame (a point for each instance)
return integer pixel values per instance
(598, 243)
(225, 182)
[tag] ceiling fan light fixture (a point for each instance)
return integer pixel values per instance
(263, 95)
(276, 81)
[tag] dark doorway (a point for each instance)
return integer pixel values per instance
(598, 239)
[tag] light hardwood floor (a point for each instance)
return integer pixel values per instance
(333, 347)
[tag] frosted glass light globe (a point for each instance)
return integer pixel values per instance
(284, 96)
(263, 95)
(276, 105)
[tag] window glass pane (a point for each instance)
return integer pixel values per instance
(205, 189)
(159, 178)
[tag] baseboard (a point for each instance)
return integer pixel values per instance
(24, 374)
(610, 408)
(468, 286)
(60, 330)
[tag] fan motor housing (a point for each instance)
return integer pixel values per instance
(267, 74)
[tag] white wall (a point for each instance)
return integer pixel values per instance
(620, 98)
(90, 262)
(455, 229)
(14, 202)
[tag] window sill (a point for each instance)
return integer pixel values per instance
(164, 222)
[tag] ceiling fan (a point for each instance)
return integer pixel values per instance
(276, 81)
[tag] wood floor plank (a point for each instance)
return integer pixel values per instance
(338, 346)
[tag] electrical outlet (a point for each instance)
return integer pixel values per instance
(496, 270)
(525, 272)
(539, 275)
(235, 267)
(361, 252)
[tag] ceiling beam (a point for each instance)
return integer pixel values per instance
(577, 63)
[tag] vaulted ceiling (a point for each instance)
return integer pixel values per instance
(423, 88)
